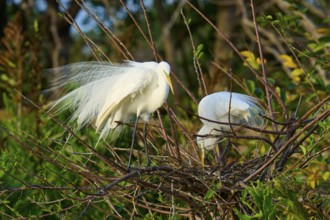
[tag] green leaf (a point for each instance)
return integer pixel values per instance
(200, 55)
(326, 20)
(269, 17)
(241, 215)
(200, 48)
(209, 194)
(262, 21)
(275, 22)
(260, 93)
(304, 150)
(271, 81)
(60, 14)
(199, 51)
(36, 26)
(11, 64)
(318, 47)
(251, 85)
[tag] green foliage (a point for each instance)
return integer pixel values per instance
(199, 51)
(273, 200)
(262, 198)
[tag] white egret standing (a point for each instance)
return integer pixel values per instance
(220, 107)
(106, 94)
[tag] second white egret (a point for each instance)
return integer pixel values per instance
(218, 109)
(106, 94)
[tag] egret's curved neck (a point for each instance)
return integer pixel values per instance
(162, 84)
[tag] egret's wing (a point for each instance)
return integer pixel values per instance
(101, 86)
(129, 85)
(216, 107)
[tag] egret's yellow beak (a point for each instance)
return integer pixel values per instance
(246, 116)
(168, 79)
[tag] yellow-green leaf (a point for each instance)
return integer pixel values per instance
(304, 150)
(297, 72)
(288, 61)
(259, 61)
(326, 175)
(248, 54)
(36, 26)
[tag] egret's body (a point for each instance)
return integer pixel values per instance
(225, 107)
(111, 93)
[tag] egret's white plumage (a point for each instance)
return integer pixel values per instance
(216, 106)
(109, 93)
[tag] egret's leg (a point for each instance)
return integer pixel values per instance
(221, 160)
(132, 144)
(218, 151)
(224, 154)
(145, 142)
(218, 156)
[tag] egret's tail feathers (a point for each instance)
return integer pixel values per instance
(256, 119)
(95, 89)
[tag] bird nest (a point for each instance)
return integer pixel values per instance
(175, 179)
(177, 176)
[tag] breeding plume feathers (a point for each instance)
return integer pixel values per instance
(104, 93)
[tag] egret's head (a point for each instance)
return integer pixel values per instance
(166, 69)
(239, 109)
(246, 115)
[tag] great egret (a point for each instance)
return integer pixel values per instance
(106, 94)
(218, 108)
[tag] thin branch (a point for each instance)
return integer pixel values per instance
(88, 41)
(177, 147)
(106, 30)
(149, 30)
(263, 67)
(229, 110)
(197, 66)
